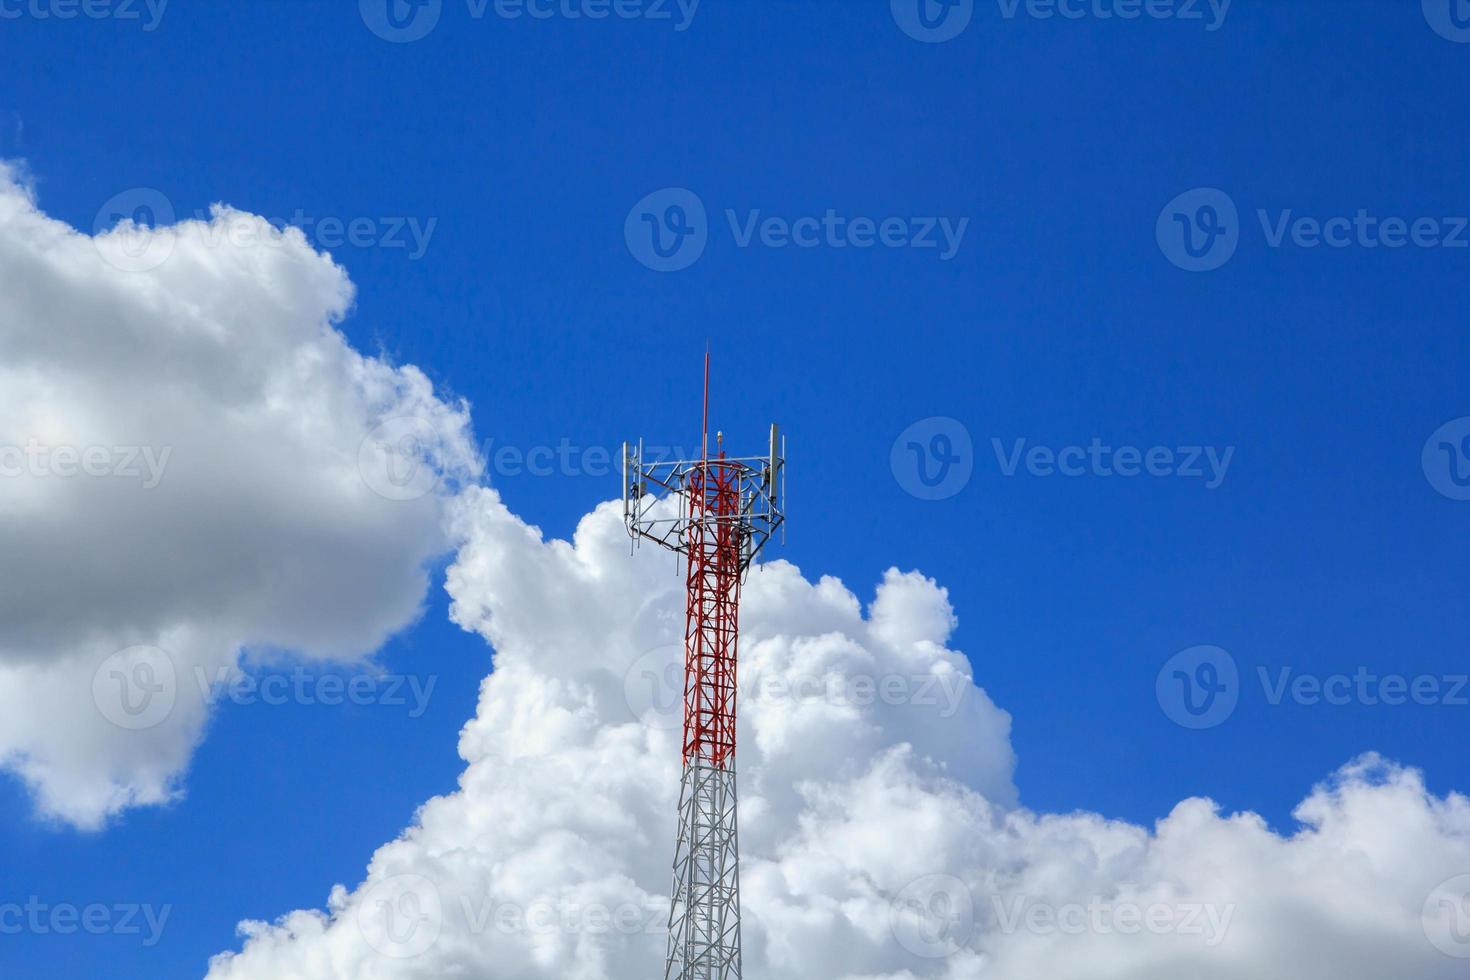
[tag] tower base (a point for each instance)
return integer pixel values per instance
(704, 919)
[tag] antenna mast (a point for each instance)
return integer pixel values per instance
(719, 513)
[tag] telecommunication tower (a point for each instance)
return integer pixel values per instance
(718, 513)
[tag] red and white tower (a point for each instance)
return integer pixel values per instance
(718, 512)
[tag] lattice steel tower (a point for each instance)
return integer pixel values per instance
(718, 513)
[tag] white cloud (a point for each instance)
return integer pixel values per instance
(881, 836)
(184, 469)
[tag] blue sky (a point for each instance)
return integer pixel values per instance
(1061, 317)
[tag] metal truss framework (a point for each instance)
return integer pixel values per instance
(718, 513)
(756, 482)
(704, 920)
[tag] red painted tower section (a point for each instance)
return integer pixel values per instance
(712, 616)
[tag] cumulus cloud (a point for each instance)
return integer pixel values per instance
(881, 834)
(193, 462)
